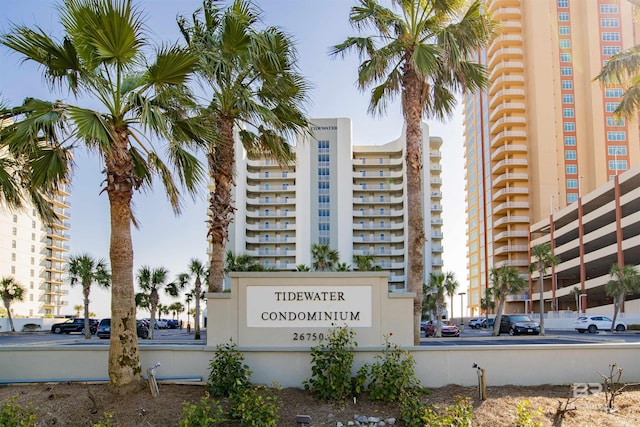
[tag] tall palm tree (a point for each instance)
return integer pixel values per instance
(85, 270)
(544, 259)
(176, 308)
(576, 291)
(366, 263)
(624, 280)
(150, 282)
(197, 272)
(622, 70)
(11, 290)
(130, 98)
(188, 297)
(506, 281)
(324, 258)
(257, 93)
(450, 286)
(439, 285)
(420, 53)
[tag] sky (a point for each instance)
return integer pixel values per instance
(163, 240)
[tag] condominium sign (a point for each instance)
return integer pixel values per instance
(305, 306)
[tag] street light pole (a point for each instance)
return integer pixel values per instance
(461, 306)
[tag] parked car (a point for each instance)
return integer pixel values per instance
(475, 322)
(448, 330)
(488, 323)
(74, 325)
(104, 329)
(161, 324)
(518, 324)
(173, 323)
(595, 323)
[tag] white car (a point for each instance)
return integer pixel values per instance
(162, 324)
(595, 323)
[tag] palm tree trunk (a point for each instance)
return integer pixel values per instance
(412, 107)
(617, 302)
(197, 316)
(85, 294)
(124, 359)
(541, 279)
(7, 305)
(221, 169)
(498, 318)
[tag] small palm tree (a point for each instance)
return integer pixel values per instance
(303, 267)
(366, 263)
(241, 262)
(151, 281)
(78, 309)
(576, 292)
(439, 285)
(256, 92)
(197, 272)
(324, 258)
(487, 303)
(176, 308)
(11, 290)
(85, 270)
(544, 259)
(421, 54)
(625, 280)
(450, 286)
(506, 281)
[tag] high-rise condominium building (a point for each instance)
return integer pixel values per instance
(34, 254)
(543, 132)
(352, 198)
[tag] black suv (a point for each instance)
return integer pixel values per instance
(518, 324)
(104, 329)
(74, 325)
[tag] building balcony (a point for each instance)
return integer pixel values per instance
(507, 136)
(271, 201)
(436, 194)
(262, 227)
(268, 187)
(510, 80)
(375, 213)
(371, 200)
(437, 235)
(375, 187)
(509, 192)
(435, 154)
(436, 248)
(378, 239)
(510, 205)
(510, 177)
(507, 149)
(435, 180)
(506, 95)
(506, 67)
(436, 208)
(502, 164)
(507, 13)
(512, 234)
(377, 161)
(506, 109)
(378, 226)
(378, 174)
(437, 221)
(263, 163)
(378, 252)
(396, 279)
(271, 239)
(436, 262)
(510, 248)
(261, 176)
(505, 40)
(271, 253)
(512, 263)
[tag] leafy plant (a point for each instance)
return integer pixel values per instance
(255, 406)
(106, 421)
(331, 365)
(524, 416)
(390, 374)
(412, 412)
(14, 415)
(206, 412)
(228, 374)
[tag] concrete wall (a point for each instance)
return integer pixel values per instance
(289, 367)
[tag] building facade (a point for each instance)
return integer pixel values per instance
(352, 198)
(35, 255)
(543, 132)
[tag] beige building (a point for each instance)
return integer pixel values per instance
(35, 255)
(544, 131)
(350, 197)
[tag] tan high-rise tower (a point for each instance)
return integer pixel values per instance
(544, 131)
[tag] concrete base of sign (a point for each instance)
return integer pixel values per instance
(297, 309)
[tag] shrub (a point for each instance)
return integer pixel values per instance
(106, 421)
(331, 366)
(390, 374)
(412, 412)
(228, 373)
(206, 412)
(634, 327)
(525, 417)
(14, 415)
(255, 406)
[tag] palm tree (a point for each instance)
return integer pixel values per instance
(487, 303)
(151, 281)
(198, 273)
(576, 291)
(343, 266)
(366, 263)
(421, 54)
(256, 92)
(78, 308)
(85, 270)
(544, 259)
(303, 267)
(188, 297)
(241, 262)
(439, 284)
(450, 286)
(624, 280)
(176, 308)
(102, 60)
(11, 290)
(506, 281)
(324, 258)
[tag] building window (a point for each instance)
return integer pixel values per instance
(570, 155)
(572, 198)
(616, 136)
(567, 85)
(610, 36)
(570, 141)
(567, 98)
(619, 165)
(611, 106)
(565, 44)
(610, 50)
(609, 22)
(613, 93)
(13, 256)
(564, 30)
(565, 57)
(13, 244)
(617, 150)
(563, 16)
(381, 173)
(608, 8)
(571, 170)
(563, 4)
(612, 121)
(566, 71)
(568, 112)
(572, 183)
(13, 269)
(569, 126)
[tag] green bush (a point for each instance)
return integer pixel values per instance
(331, 366)
(228, 373)
(412, 413)
(255, 407)
(14, 415)
(634, 327)
(106, 421)
(526, 418)
(391, 373)
(206, 412)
